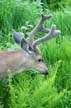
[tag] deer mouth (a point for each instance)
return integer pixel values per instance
(44, 73)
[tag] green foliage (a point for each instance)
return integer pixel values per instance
(62, 21)
(34, 91)
(29, 89)
(14, 14)
(56, 4)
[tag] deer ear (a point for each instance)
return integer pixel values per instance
(21, 41)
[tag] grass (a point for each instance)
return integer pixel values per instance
(27, 89)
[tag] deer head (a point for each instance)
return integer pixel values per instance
(32, 53)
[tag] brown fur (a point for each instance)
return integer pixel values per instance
(17, 61)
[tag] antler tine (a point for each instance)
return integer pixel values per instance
(51, 34)
(39, 28)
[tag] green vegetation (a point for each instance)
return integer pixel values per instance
(29, 89)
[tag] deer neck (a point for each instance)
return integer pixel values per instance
(14, 61)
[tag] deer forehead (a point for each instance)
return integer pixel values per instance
(37, 53)
(34, 54)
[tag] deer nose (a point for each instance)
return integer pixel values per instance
(45, 73)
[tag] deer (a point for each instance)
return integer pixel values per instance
(29, 56)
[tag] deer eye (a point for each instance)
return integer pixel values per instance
(40, 60)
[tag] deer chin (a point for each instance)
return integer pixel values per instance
(43, 73)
